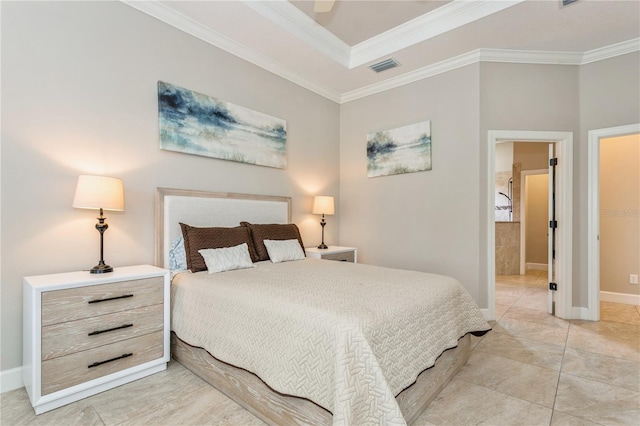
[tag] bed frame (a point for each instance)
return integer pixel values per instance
(200, 208)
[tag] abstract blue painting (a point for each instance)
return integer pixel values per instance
(194, 123)
(402, 150)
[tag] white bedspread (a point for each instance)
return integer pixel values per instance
(349, 337)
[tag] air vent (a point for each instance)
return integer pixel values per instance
(384, 65)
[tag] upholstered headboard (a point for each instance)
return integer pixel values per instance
(201, 208)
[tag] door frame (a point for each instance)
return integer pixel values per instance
(564, 205)
(593, 215)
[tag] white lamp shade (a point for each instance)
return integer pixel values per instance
(99, 192)
(323, 204)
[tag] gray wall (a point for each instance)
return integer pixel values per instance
(79, 96)
(426, 221)
(525, 97)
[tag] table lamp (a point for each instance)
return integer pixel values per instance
(99, 193)
(323, 204)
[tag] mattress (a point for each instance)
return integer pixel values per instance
(348, 337)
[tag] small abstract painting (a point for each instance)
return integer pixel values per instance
(194, 123)
(402, 150)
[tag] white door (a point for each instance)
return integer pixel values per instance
(552, 231)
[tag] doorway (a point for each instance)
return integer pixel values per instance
(564, 188)
(593, 281)
(534, 227)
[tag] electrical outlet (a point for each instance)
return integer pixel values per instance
(633, 278)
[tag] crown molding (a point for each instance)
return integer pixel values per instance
(496, 55)
(177, 20)
(439, 21)
(296, 22)
(446, 18)
(611, 51)
(416, 75)
(530, 57)
(170, 16)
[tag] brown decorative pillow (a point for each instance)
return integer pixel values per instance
(212, 238)
(261, 232)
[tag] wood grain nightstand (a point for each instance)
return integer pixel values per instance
(85, 333)
(342, 254)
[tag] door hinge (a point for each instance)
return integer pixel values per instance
(553, 161)
(553, 224)
(553, 286)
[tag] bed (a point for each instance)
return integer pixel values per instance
(310, 341)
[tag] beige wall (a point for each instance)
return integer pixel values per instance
(504, 156)
(426, 221)
(609, 97)
(522, 97)
(619, 213)
(531, 155)
(79, 96)
(536, 218)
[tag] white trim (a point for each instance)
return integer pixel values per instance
(523, 217)
(611, 51)
(593, 216)
(437, 22)
(11, 379)
(537, 266)
(432, 24)
(177, 20)
(530, 57)
(295, 21)
(441, 67)
(487, 315)
(564, 202)
(627, 299)
(578, 312)
(358, 53)
(494, 55)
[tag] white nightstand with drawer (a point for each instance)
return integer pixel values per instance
(341, 254)
(85, 333)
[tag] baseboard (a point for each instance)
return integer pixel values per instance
(579, 312)
(537, 266)
(485, 313)
(627, 299)
(11, 379)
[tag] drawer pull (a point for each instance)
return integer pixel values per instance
(93, 333)
(111, 298)
(95, 364)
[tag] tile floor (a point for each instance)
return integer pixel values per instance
(532, 369)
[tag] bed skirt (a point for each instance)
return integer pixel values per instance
(274, 408)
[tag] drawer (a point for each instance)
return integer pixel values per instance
(90, 301)
(70, 370)
(346, 256)
(75, 336)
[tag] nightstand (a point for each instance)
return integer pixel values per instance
(342, 254)
(85, 333)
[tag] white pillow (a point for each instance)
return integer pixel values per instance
(283, 250)
(227, 258)
(177, 255)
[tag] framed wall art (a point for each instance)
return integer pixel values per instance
(194, 123)
(401, 150)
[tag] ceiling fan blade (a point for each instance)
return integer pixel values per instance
(322, 6)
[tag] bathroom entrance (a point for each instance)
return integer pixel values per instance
(528, 225)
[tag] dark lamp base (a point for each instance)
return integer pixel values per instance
(323, 246)
(101, 269)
